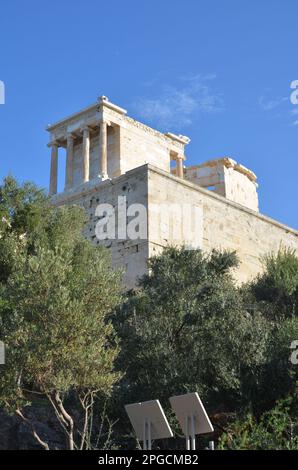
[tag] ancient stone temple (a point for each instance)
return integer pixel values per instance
(140, 196)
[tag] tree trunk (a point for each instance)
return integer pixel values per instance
(68, 419)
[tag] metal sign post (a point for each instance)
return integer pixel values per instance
(147, 435)
(2, 353)
(192, 417)
(190, 436)
(149, 422)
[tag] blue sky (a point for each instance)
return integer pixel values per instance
(218, 71)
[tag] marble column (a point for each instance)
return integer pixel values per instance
(103, 150)
(69, 162)
(54, 169)
(179, 166)
(86, 153)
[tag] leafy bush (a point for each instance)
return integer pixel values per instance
(276, 429)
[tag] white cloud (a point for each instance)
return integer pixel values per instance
(269, 104)
(180, 105)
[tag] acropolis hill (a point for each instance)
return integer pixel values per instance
(114, 159)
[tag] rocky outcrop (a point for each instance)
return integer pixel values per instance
(15, 434)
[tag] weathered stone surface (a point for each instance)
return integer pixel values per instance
(224, 224)
(228, 178)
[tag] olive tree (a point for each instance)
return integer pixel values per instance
(57, 291)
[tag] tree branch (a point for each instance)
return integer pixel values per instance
(33, 430)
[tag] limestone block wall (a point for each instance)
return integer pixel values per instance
(212, 220)
(141, 144)
(224, 224)
(228, 178)
(241, 189)
(129, 255)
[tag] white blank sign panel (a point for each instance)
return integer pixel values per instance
(150, 411)
(190, 405)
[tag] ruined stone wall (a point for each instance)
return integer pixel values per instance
(226, 177)
(240, 189)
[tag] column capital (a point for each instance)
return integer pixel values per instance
(179, 156)
(85, 127)
(70, 137)
(104, 121)
(53, 143)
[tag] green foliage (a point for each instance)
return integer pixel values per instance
(22, 206)
(56, 293)
(23, 210)
(274, 294)
(278, 375)
(276, 429)
(276, 289)
(186, 329)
